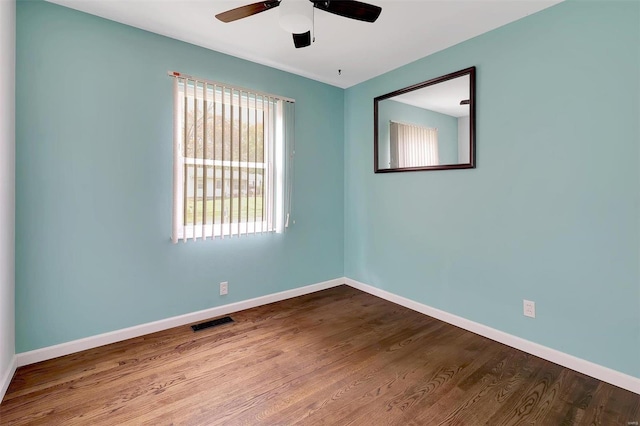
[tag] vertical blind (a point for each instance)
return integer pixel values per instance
(233, 160)
(413, 146)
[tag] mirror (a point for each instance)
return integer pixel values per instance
(427, 126)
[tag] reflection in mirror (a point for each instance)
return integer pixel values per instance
(428, 126)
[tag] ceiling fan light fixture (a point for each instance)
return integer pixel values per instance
(296, 16)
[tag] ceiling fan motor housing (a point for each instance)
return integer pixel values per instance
(296, 17)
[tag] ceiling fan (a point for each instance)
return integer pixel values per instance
(347, 8)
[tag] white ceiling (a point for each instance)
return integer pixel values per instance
(404, 32)
(443, 97)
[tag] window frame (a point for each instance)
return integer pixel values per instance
(273, 182)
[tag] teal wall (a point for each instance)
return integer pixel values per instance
(447, 126)
(551, 213)
(94, 181)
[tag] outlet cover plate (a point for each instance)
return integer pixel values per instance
(529, 308)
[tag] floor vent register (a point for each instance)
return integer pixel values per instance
(212, 323)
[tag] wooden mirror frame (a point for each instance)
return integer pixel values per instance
(471, 72)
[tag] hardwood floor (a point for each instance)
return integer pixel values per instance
(335, 357)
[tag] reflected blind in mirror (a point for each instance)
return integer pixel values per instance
(413, 146)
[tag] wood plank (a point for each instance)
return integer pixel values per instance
(338, 356)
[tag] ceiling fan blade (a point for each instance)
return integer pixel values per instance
(302, 40)
(248, 10)
(350, 9)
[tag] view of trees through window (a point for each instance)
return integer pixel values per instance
(225, 160)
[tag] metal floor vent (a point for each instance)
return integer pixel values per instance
(211, 323)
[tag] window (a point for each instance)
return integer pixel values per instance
(413, 146)
(233, 160)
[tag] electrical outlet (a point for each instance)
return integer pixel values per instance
(529, 308)
(224, 288)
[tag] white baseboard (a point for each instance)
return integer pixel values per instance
(599, 372)
(7, 376)
(26, 358)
